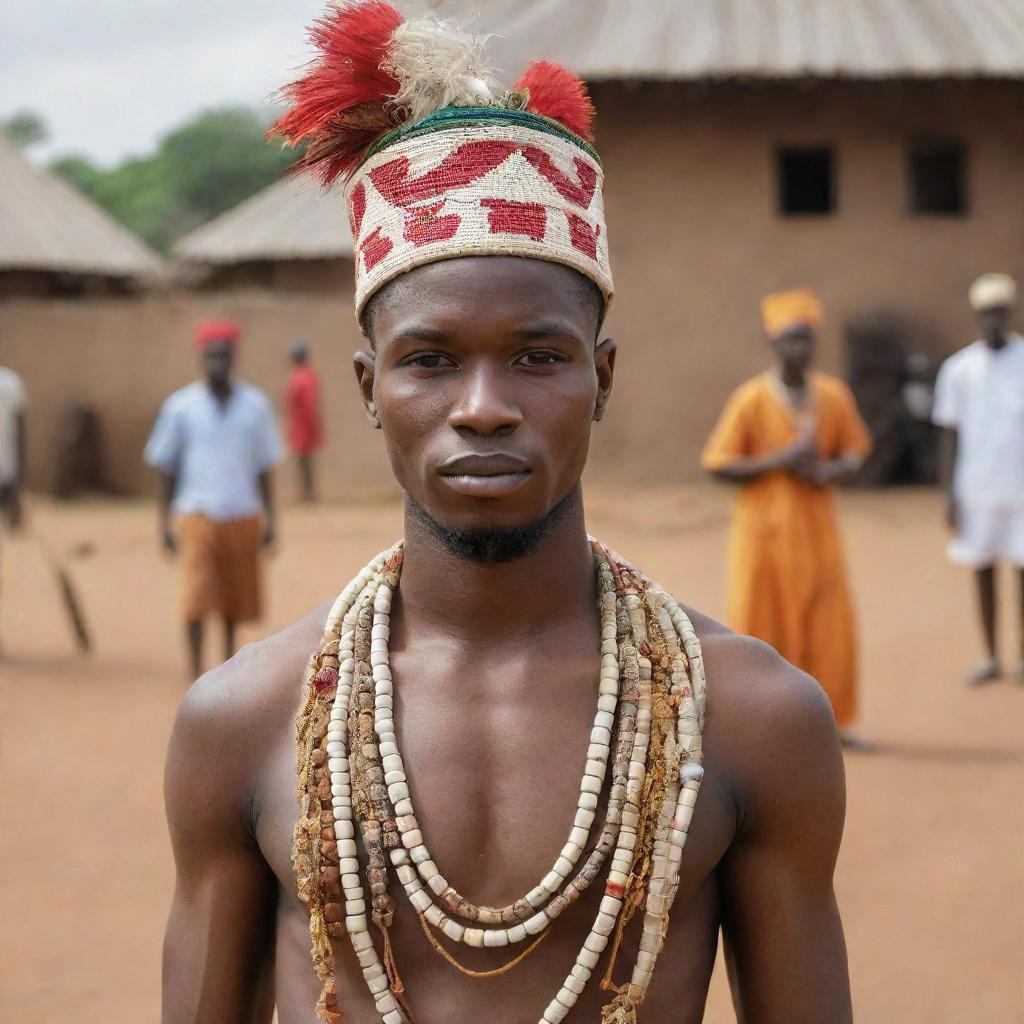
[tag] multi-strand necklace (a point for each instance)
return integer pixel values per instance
(644, 753)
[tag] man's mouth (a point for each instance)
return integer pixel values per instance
(485, 476)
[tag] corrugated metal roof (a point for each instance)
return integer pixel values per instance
(708, 39)
(45, 224)
(292, 219)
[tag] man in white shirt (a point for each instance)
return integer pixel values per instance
(13, 402)
(979, 400)
(215, 443)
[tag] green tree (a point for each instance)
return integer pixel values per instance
(24, 128)
(80, 172)
(199, 170)
(220, 158)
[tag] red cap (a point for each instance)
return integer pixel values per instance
(216, 330)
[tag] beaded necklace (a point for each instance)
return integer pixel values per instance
(351, 775)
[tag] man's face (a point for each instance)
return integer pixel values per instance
(486, 379)
(994, 321)
(795, 347)
(216, 359)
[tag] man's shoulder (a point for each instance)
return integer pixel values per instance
(750, 390)
(253, 395)
(184, 398)
(964, 357)
(748, 677)
(762, 712)
(238, 707)
(831, 385)
(10, 381)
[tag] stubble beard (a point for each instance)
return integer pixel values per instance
(493, 545)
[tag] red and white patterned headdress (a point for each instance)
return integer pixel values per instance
(441, 161)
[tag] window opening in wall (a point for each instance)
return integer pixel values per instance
(937, 176)
(806, 180)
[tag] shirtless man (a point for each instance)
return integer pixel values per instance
(485, 375)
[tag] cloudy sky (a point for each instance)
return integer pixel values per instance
(111, 76)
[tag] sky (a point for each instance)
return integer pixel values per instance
(110, 77)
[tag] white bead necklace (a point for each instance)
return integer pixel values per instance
(630, 689)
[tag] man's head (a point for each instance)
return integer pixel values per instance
(993, 297)
(217, 359)
(299, 353)
(216, 341)
(794, 348)
(481, 264)
(485, 375)
(791, 320)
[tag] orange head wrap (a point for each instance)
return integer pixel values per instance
(782, 310)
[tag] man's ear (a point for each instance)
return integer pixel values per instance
(364, 365)
(604, 362)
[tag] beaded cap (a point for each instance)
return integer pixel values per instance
(440, 161)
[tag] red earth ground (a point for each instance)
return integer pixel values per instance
(931, 875)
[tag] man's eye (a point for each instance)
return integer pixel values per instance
(541, 358)
(428, 361)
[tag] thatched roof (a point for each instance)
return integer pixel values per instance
(46, 225)
(290, 220)
(714, 39)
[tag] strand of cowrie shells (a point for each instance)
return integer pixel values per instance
(546, 901)
(373, 585)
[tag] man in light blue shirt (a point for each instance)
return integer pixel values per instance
(215, 444)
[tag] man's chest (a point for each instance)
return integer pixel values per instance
(495, 773)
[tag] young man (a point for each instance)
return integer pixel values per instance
(786, 437)
(484, 371)
(979, 400)
(302, 405)
(215, 443)
(13, 403)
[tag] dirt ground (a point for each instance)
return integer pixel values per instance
(930, 879)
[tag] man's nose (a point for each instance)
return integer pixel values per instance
(485, 405)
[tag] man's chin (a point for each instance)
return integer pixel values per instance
(495, 531)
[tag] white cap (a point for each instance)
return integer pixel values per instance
(991, 290)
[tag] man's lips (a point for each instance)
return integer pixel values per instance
(485, 476)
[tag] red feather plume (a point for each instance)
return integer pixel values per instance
(341, 105)
(555, 92)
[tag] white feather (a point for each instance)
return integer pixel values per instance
(438, 65)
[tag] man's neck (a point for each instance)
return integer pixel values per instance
(794, 377)
(221, 390)
(446, 593)
(997, 341)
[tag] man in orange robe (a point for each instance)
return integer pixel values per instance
(785, 437)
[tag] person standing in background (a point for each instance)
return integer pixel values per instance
(215, 443)
(305, 428)
(979, 401)
(786, 437)
(13, 402)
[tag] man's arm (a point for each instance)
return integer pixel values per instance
(947, 460)
(745, 468)
(783, 936)
(218, 948)
(21, 450)
(165, 495)
(269, 508)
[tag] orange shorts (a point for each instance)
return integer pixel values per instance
(221, 567)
